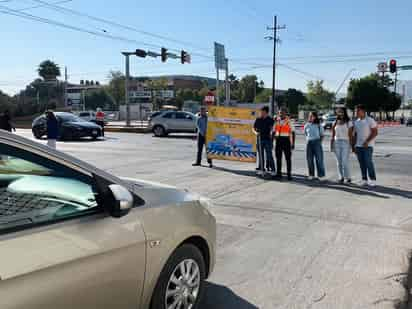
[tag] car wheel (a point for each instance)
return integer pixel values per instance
(37, 135)
(181, 282)
(159, 131)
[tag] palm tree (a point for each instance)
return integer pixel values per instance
(48, 70)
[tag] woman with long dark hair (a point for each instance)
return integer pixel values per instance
(314, 151)
(342, 131)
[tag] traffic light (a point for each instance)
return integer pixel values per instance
(164, 54)
(393, 66)
(141, 53)
(185, 57)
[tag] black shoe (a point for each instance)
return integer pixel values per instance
(290, 178)
(210, 165)
(341, 181)
(349, 180)
(278, 177)
(196, 164)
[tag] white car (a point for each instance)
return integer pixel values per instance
(173, 122)
(88, 116)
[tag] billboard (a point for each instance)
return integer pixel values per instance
(230, 135)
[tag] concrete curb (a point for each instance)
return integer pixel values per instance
(127, 129)
(106, 129)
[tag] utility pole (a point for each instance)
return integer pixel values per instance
(217, 88)
(275, 39)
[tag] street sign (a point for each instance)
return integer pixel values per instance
(209, 98)
(405, 67)
(382, 67)
(220, 57)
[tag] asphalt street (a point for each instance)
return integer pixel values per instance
(280, 244)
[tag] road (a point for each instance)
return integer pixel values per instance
(286, 245)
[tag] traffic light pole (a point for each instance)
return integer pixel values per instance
(396, 81)
(126, 86)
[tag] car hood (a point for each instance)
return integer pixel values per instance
(156, 194)
(84, 124)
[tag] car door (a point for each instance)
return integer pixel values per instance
(169, 121)
(58, 248)
(185, 122)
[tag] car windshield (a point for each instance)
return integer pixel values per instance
(69, 118)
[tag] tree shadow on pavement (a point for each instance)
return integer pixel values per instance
(220, 297)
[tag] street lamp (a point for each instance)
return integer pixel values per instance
(343, 82)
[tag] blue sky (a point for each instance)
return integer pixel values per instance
(314, 28)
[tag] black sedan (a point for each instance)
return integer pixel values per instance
(71, 127)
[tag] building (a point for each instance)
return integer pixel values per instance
(140, 87)
(75, 93)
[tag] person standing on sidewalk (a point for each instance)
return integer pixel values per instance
(52, 129)
(201, 137)
(100, 119)
(5, 122)
(365, 131)
(341, 141)
(263, 129)
(314, 151)
(285, 142)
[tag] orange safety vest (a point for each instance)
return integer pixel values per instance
(100, 116)
(283, 130)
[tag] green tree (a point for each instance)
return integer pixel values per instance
(99, 98)
(155, 85)
(293, 99)
(318, 96)
(116, 87)
(264, 96)
(248, 88)
(48, 70)
(374, 94)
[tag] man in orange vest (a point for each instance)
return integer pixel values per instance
(100, 119)
(284, 132)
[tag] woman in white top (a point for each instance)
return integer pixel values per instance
(342, 132)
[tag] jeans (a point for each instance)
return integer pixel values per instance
(201, 141)
(342, 152)
(314, 153)
(283, 145)
(365, 157)
(266, 146)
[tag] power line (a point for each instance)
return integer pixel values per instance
(41, 5)
(115, 24)
(9, 11)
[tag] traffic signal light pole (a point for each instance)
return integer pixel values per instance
(185, 58)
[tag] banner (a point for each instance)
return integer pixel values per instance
(230, 135)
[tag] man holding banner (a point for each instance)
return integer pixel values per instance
(263, 128)
(201, 137)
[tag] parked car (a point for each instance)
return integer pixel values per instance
(88, 116)
(74, 236)
(409, 122)
(154, 114)
(328, 122)
(71, 127)
(173, 122)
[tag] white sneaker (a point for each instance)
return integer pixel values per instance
(273, 174)
(322, 178)
(364, 183)
(259, 173)
(372, 183)
(310, 177)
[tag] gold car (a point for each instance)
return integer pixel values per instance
(73, 236)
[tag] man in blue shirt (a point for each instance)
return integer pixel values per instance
(201, 137)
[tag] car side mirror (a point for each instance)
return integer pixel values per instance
(123, 201)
